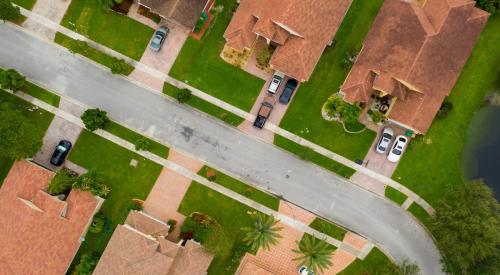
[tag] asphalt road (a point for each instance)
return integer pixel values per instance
(221, 146)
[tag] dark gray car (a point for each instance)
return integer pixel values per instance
(158, 38)
(290, 86)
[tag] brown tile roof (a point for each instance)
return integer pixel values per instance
(415, 53)
(39, 233)
(185, 12)
(133, 250)
(302, 28)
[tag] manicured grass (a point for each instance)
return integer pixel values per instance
(328, 228)
(114, 30)
(420, 214)
(230, 214)
(131, 136)
(42, 94)
(200, 65)
(205, 106)
(90, 52)
(27, 4)
(304, 114)
(394, 195)
(5, 165)
(20, 20)
(432, 166)
(372, 264)
(242, 188)
(312, 156)
(111, 162)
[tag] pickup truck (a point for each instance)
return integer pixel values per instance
(264, 113)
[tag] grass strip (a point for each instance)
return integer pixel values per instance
(328, 228)
(394, 195)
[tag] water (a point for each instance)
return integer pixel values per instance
(481, 157)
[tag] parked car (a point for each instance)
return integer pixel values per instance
(385, 140)
(303, 270)
(60, 152)
(158, 38)
(290, 87)
(275, 82)
(397, 149)
(264, 112)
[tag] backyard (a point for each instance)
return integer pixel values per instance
(200, 65)
(432, 165)
(109, 28)
(112, 163)
(304, 114)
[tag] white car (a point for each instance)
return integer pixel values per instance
(275, 82)
(397, 149)
(303, 270)
(385, 140)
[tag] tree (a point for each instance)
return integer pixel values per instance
(263, 233)
(19, 137)
(8, 11)
(12, 80)
(183, 95)
(92, 183)
(142, 144)
(94, 119)
(409, 268)
(490, 6)
(62, 182)
(466, 227)
(314, 253)
(119, 66)
(87, 264)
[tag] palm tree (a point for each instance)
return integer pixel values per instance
(263, 233)
(314, 253)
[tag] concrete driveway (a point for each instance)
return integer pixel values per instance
(53, 10)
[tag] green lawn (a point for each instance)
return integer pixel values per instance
(27, 4)
(304, 114)
(199, 65)
(328, 228)
(90, 52)
(230, 214)
(432, 166)
(371, 265)
(394, 195)
(42, 94)
(131, 136)
(5, 165)
(114, 30)
(420, 214)
(205, 106)
(312, 156)
(111, 162)
(243, 188)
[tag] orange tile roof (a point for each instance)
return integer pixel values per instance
(40, 234)
(301, 28)
(415, 53)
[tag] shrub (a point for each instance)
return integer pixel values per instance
(98, 223)
(239, 250)
(142, 144)
(348, 60)
(264, 56)
(183, 95)
(92, 183)
(87, 264)
(445, 109)
(9, 11)
(336, 107)
(211, 175)
(196, 227)
(490, 6)
(376, 116)
(119, 66)
(62, 181)
(171, 223)
(12, 80)
(94, 119)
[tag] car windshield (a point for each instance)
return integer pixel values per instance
(386, 135)
(396, 152)
(61, 148)
(381, 148)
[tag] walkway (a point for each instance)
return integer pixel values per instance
(243, 114)
(53, 10)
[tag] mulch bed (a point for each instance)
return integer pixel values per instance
(123, 7)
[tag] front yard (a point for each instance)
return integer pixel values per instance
(200, 65)
(109, 28)
(304, 115)
(375, 263)
(432, 166)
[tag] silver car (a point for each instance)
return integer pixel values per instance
(158, 38)
(385, 140)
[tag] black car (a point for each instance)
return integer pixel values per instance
(263, 115)
(290, 86)
(60, 153)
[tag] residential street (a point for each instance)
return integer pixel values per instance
(222, 147)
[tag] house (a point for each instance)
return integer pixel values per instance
(40, 233)
(298, 29)
(412, 57)
(182, 12)
(140, 247)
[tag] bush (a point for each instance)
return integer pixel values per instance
(196, 227)
(142, 144)
(119, 66)
(171, 223)
(490, 6)
(98, 223)
(336, 107)
(183, 95)
(376, 116)
(9, 11)
(348, 60)
(211, 175)
(239, 251)
(264, 56)
(445, 109)
(61, 183)
(87, 264)
(92, 183)
(12, 80)
(94, 119)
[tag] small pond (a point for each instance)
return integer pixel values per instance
(481, 155)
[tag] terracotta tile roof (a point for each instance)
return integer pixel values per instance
(133, 250)
(416, 53)
(302, 28)
(185, 12)
(39, 233)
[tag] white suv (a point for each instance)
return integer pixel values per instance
(275, 82)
